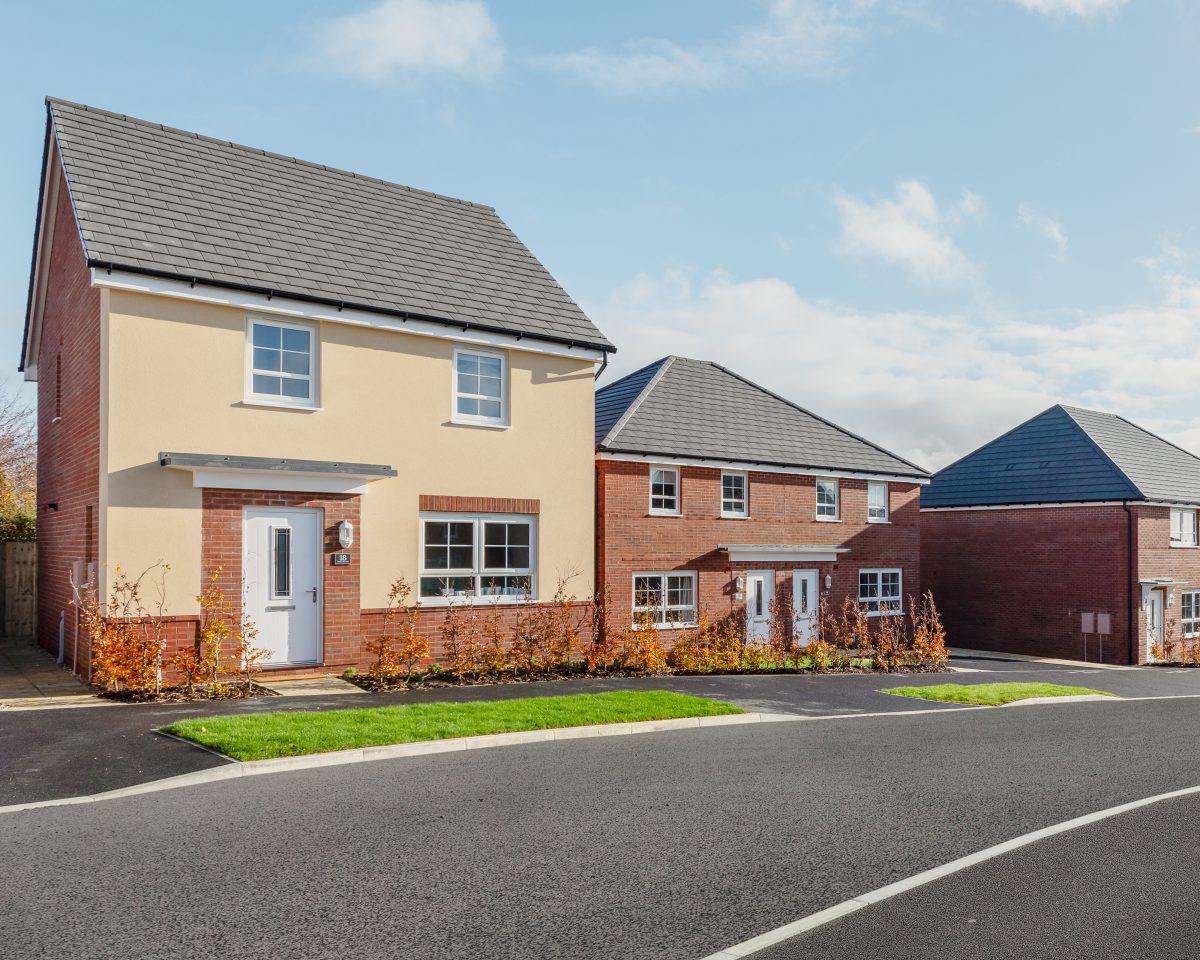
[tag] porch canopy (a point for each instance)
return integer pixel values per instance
(781, 552)
(228, 472)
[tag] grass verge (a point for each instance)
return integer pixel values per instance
(991, 694)
(263, 736)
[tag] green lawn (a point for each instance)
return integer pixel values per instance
(991, 694)
(263, 736)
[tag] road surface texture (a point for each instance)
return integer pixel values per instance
(666, 846)
(1124, 887)
(47, 755)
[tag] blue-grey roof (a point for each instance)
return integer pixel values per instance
(171, 203)
(1069, 455)
(678, 407)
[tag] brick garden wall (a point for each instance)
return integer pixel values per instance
(782, 510)
(1017, 580)
(68, 424)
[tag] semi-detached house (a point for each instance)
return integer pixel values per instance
(717, 496)
(303, 381)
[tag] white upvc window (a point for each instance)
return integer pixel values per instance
(1189, 612)
(880, 591)
(827, 499)
(735, 494)
(1183, 528)
(281, 362)
(480, 388)
(877, 501)
(668, 598)
(477, 558)
(664, 490)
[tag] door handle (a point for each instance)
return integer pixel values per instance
(314, 593)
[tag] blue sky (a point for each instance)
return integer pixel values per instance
(926, 221)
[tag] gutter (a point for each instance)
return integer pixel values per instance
(1129, 583)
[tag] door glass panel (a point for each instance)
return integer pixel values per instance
(804, 595)
(281, 560)
(758, 598)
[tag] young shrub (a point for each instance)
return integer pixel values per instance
(600, 655)
(461, 642)
(928, 634)
(247, 658)
(779, 639)
(214, 634)
(127, 640)
(641, 649)
(399, 648)
(890, 645)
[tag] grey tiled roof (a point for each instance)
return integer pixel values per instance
(173, 203)
(679, 407)
(1066, 455)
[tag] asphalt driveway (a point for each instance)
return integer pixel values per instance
(668, 846)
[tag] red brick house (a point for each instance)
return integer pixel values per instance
(715, 495)
(1073, 535)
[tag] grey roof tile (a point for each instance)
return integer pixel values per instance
(678, 407)
(1066, 455)
(236, 215)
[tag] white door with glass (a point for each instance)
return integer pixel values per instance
(804, 605)
(1154, 619)
(760, 592)
(281, 573)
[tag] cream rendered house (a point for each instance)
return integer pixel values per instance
(304, 381)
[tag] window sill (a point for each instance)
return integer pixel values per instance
(274, 405)
(452, 422)
(829, 519)
(882, 523)
(475, 602)
(662, 513)
(735, 516)
(883, 613)
(1185, 546)
(671, 626)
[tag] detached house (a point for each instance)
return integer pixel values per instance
(715, 495)
(1073, 535)
(308, 381)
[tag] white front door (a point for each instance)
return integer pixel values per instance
(1154, 620)
(804, 605)
(281, 571)
(760, 591)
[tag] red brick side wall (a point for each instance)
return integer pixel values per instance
(782, 510)
(68, 470)
(443, 504)
(1017, 581)
(1157, 559)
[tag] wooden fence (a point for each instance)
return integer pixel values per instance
(18, 588)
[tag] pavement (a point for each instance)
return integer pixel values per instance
(46, 755)
(1124, 887)
(29, 676)
(669, 846)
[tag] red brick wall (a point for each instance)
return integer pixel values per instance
(1156, 559)
(782, 511)
(443, 504)
(1017, 580)
(68, 470)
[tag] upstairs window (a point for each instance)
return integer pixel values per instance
(479, 388)
(664, 490)
(1183, 528)
(879, 591)
(827, 499)
(469, 559)
(877, 502)
(282, 363)
(733, 495)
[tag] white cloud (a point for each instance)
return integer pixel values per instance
(910, 231)
(398, 38)
(1074, 8)
(928, 386)
(1047, 226)
(810, 37)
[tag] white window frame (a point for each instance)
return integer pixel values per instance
(1179, 536)
(478, 571)
(660, 611)
(313, 402)
(664, 511)
(501, 422)
(745, 509)
(898, 599)
(1189, 626)
(837, 499)
(887, 505)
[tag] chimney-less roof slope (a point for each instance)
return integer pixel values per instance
(1068, 455)
(170, 203)
(679, 407)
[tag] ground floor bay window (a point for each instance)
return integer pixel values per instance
(667, 599)
(483, 557)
